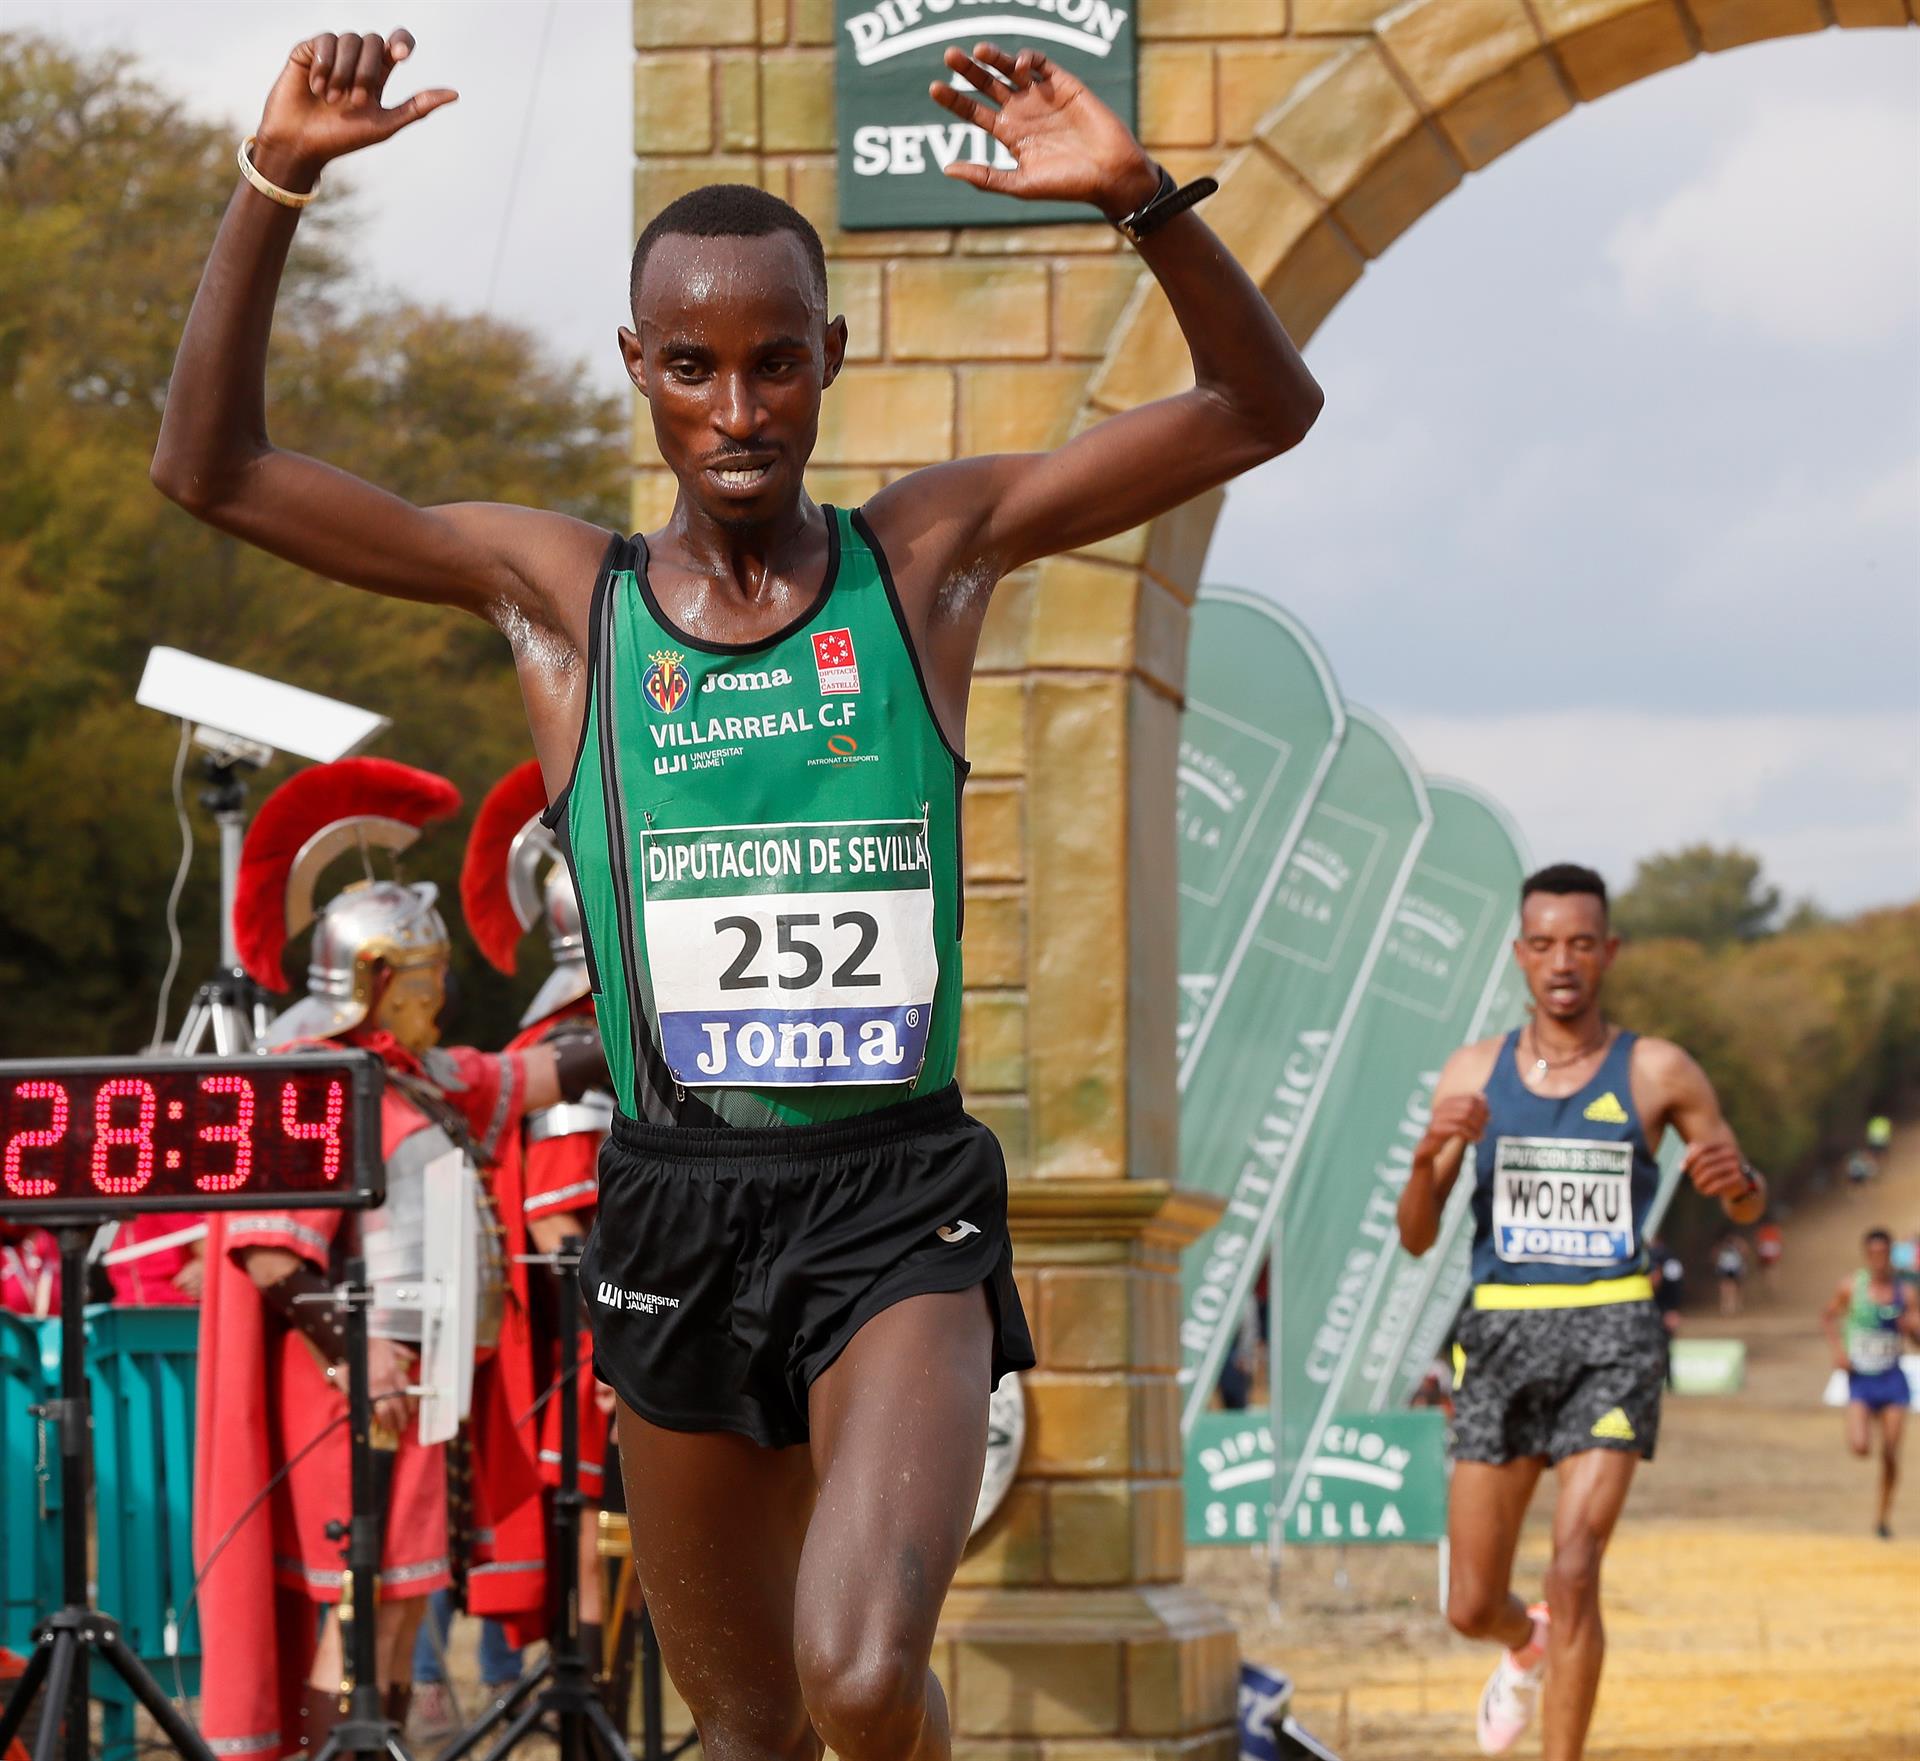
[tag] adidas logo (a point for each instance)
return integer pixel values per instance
(1607, 1110)
(1613, 1425)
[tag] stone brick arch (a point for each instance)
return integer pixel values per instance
(1333, 125)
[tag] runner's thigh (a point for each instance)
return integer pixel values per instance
(899, 1426)
(718, 1525)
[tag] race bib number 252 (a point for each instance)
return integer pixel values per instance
(790, 956)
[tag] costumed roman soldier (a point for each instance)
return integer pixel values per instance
(513, 881)
(272, 1396)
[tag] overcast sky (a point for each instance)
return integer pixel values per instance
(1615, 505)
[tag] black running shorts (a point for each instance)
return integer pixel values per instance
(1555, 1382)
(728, 1268)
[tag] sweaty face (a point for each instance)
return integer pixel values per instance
(732, 348)
(1564, 949)
(408, 1004)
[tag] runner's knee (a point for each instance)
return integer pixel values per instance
(865, 1687)
(749, 1727)
(1474, 1609)
(1573, 1579)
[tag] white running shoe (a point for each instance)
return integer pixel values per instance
(1512, 1694)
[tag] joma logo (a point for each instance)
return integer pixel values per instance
(746, 681)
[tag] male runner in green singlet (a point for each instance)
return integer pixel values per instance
(1880, 1311)
(750, 726)
(1564, 1355)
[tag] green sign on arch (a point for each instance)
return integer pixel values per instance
(894, 142)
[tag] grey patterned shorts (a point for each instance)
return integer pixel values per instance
(1555, 1382)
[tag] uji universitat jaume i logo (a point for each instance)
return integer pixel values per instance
(665, 682)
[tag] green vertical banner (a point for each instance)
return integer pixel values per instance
(1337, 1237)
(1671, 1150)
(1424, 1295)
(1280, 1018)
(1262, 723)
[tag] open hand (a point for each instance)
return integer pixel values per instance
(326, 101)
(1069, 146)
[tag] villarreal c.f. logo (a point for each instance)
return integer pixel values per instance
(665, 682)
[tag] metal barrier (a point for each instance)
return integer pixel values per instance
(141, 1363)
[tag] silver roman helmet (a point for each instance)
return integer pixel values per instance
(357, 805)
(515, 879)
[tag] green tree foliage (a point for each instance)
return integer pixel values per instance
(1803, 1033)
(1703, 894)
(109, 198)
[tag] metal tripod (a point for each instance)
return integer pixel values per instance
(64, 1642)
(563, 1685)
(366, 1730)
(230, 1009)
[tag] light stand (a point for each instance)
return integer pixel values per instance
(229, 1009)
(366, 1730)
(564, 1681)
(63, 1642)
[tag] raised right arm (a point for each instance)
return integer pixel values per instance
(215, 457)
(1458, 1118)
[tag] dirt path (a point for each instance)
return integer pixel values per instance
(1751, 1615)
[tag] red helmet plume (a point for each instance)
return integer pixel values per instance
(485, 895)
(390, 798)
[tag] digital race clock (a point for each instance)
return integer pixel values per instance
(108, 1136)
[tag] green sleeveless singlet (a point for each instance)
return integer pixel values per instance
(765, 841)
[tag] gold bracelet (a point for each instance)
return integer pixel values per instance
(272, 191)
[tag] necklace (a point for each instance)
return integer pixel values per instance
(1542, 1065)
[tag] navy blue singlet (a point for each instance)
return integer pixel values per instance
(1562, 1187)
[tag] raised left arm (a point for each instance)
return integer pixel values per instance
(1252, 396)
(1713, 1161)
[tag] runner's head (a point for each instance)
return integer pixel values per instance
(1566, 943)
(732, 347)
(1877, 1245)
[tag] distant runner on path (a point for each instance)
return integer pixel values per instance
(1879, 1309)
(1564, 1350)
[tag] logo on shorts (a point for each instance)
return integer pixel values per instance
(836, 663)
(1607, 1110)
(957, 1232)
(1614, 1426)
(665, 682)
(642, 1302)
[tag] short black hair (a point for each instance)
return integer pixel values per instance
(729, 210)
(1562, 878)
(1876, 1235)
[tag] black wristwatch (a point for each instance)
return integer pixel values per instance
(1160, 207)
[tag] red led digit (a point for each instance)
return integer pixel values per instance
(239, 1133)
(324, 1131)
(20, 1185)
(108, 1137)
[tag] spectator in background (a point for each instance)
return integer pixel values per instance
(1768, 1245)
(157, 1259)
(1669, 1291)
(1730, 1254)
(1861, 1168)
(29, 1272)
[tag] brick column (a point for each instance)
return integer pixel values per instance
(1069, 1633)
